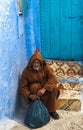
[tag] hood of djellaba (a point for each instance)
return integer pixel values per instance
(36, 56)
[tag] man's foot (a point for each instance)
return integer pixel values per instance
(54, 115)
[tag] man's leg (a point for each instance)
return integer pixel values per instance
(50, 100)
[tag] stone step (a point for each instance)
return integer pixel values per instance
(70, 86)
(66, 69)
(70, 94)
(68, 104)
(68, 74)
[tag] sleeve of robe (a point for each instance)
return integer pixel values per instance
(24, 85)
(51, 79)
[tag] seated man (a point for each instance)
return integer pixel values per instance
(39, 82)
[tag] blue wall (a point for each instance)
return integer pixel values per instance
(32, 26)
(12, 56)
(19, 37)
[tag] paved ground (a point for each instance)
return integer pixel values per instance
(68, 121)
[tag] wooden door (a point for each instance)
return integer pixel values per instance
(61, 26)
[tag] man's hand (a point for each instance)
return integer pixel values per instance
(34, 97)
(41, 92)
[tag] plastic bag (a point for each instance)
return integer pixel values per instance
(37, 115)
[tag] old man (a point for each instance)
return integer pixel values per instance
(39, 82)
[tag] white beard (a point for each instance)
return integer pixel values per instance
(37, 69)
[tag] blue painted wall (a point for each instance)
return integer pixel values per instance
(31, 21)
(12, 56)
(32, 26)
(19, 37)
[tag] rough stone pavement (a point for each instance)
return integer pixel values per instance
(69, 120)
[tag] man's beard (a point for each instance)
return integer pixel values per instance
(37, 69)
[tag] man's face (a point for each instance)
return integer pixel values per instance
(36, 65)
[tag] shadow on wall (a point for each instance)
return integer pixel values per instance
(21, 106)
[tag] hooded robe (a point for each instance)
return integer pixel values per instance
(33, 80)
